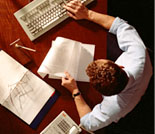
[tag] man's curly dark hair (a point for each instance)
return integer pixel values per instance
(107, 77)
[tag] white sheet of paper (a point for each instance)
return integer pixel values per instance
(27, 97)
(74, 60)
(54, 61)
(86, 57)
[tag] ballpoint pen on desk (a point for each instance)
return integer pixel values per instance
(21, 56)
(30, 49)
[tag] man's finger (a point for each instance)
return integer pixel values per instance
(71, 15)
(64, 81)
(70, 9)
(71, 5)
(75, 2)
(67, 74)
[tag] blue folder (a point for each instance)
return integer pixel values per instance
(44, 110)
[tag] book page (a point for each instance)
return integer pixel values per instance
(10, 73)
(28, 97)
(86, 57)
(21, 91)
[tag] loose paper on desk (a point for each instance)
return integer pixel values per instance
(22, 92)
(67, 55)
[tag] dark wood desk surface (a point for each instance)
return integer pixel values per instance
(82, 30)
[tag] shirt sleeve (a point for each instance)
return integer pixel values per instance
(127, 35)
(102, 114)
(134, 56)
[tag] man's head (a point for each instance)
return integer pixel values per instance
(107, 77)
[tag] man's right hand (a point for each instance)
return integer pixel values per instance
(69, 83)
(77, 10)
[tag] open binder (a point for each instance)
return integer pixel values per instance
(23, 93)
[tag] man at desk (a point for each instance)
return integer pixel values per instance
(123, 83)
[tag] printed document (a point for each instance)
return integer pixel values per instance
(67, 55)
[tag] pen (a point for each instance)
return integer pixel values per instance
(25, 48)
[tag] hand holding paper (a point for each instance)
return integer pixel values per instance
(69, 82)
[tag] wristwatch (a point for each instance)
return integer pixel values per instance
(77, 94)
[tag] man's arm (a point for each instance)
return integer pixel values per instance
(78, 11)
(69, 83)
(91, 119)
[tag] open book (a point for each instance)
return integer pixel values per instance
(22, 92)
(67, 55)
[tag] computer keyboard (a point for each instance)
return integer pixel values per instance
(40, 16)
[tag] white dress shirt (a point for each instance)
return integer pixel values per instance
(137, 65)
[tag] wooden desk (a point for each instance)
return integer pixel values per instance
(82, 30)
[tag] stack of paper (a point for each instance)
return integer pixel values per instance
(67, 55)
